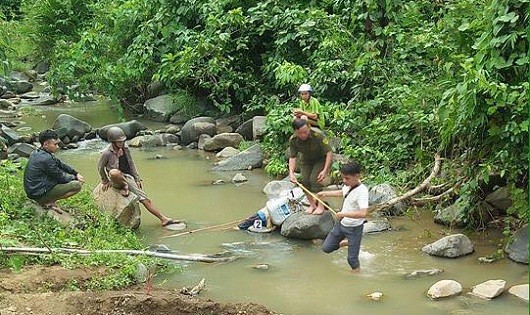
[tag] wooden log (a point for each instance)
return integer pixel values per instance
(38, 250)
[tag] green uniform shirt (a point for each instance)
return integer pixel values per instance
(313, 149)
(314, 107)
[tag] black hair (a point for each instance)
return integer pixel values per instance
(299, 123)
(351, 168)
(47, 135)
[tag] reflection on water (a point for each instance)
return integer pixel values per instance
(301, 278)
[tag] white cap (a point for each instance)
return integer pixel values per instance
(305, 88)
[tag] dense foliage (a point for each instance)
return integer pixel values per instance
(399, 79)
(19, 226)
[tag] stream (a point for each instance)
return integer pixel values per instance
(301, 279)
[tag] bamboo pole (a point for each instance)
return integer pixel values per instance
(202, 229)
(316, 198)
(38, 250)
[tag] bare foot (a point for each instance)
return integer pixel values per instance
(52, 206)
(343, 243)
(356, 270)
(310, 210)
(319, 209)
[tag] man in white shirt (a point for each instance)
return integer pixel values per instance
(352, 216)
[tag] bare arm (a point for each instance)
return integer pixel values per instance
(329, 193)
(354, 215)
(292, 166)
(327, 166)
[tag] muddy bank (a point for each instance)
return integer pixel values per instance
(42, 290)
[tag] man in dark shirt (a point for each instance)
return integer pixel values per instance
(46, 178)
(315, 160)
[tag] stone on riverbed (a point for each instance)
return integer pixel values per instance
(423, 272)
(444, 288)
(126, 210)
(376, 225)
(307, 226)
(520, 291)
(131, 128)
(21, 149)
(518, 249)
(489, 289)
(249, 159)
(69, 126)
(451, 246)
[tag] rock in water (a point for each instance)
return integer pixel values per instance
(444, 288)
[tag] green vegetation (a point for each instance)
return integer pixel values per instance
(400, 80)
(19, 226)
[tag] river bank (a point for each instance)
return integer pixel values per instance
(22, 294)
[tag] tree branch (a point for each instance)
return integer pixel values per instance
(410, 193)
(37, 250)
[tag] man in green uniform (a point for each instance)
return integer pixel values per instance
(315, 161)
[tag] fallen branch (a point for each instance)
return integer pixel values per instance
(423, 201)
(37, 250)
(410, 193)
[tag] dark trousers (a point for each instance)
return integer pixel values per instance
(354, 236)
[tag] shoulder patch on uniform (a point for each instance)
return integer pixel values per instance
(325, 140)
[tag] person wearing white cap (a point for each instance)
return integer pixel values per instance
(310, 109)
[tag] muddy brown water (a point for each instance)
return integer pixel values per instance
(301, 279)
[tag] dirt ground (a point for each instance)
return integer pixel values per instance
(42, 290)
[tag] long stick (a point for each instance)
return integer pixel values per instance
(316, 198)
(202, 229)
(39, 250)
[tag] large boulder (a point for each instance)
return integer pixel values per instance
(307, 226)
(126, 210)
(69, 126)
(454, 216)
(451, 246)
(131, 128)
(195, 127)
(22, 149)
(518, 249)
(42, 67)
(9, 134)
(258, 127)
(160, 108)
(249, 159)
(382, 193)
(444, 288)
(20, 86)
(222, 141)
(500, 199)
(228, 123)
(246, 130)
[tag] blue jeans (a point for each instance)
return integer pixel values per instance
(354, 236)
